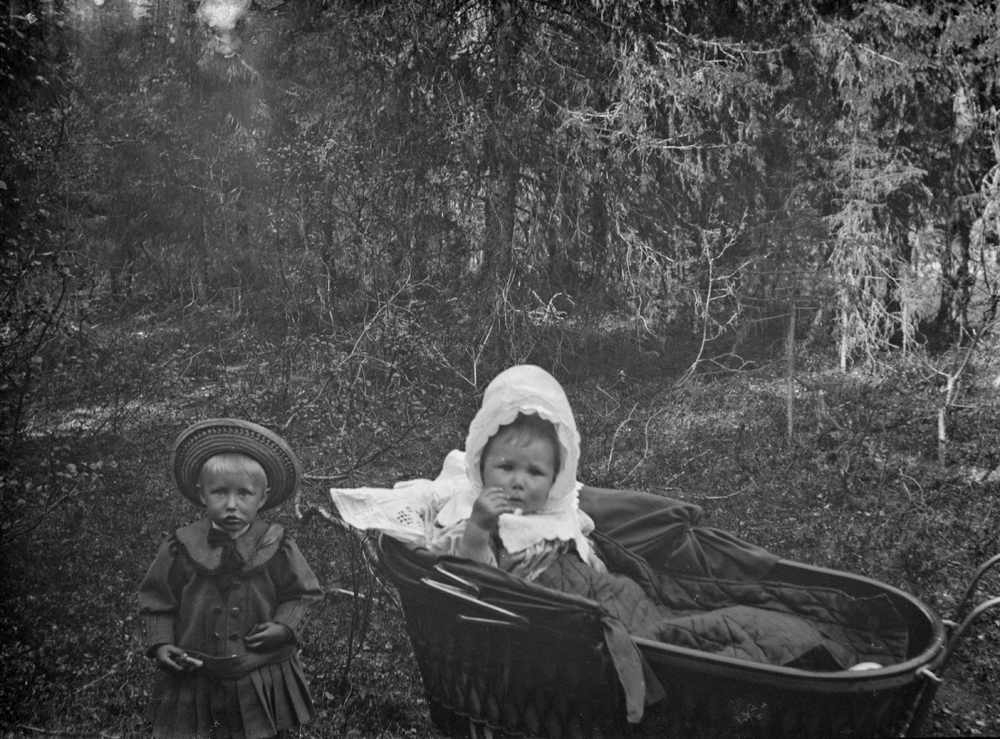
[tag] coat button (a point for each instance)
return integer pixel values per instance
(216, 634)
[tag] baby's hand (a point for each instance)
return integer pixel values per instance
(488, 506)
(267, 635)
(176, 658)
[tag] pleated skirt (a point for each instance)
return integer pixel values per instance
(258, 705)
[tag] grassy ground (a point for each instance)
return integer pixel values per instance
(87, 495)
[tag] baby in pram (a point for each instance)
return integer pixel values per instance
(519, 510)
(512, 501)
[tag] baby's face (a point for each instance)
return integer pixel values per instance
(523, 465)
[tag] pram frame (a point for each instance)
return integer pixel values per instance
(470, 603)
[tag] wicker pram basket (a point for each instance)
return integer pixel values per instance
(502, 657)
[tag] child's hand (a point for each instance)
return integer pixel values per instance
(176, 658)
(488, 506)
(267, 635)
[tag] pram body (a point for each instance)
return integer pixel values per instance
(500, 654)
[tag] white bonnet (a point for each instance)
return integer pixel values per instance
(526, 389)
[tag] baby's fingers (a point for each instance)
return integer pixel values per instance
(499, 495)
(501, 505)
(490, 504)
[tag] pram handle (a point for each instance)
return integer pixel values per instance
(507, 619)
(957, 629)
(956, 633)
(969, 591)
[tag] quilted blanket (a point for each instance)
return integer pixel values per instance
(757, 620)
(678, 582)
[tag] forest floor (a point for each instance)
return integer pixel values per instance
(87, 496)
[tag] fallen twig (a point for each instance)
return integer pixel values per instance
(63, 732)
(27, 527)
(718, 497)
(614, 436)
(645, 445)
(610, 397)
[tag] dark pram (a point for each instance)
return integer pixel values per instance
(501, 656)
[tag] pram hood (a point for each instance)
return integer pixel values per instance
(526, 389)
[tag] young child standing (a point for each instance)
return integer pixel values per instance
(225, 597)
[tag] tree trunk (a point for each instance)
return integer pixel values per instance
(952, 317)
(599, 229)
(790, 374)
(500, 205)
(501, 167)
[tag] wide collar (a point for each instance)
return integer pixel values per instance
(256, 546)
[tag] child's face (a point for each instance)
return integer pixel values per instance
(233, 493)
(522, 464)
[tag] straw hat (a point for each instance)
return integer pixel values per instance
(205, 439)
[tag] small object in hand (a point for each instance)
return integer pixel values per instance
(188, 660)
(866, 666)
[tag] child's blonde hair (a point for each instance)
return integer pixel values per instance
(526, 428)
(234, 462)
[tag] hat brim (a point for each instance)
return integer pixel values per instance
(205, 439)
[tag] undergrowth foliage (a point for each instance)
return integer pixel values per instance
(88, 495)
